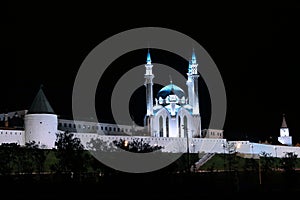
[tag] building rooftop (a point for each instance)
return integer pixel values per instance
(40, 104)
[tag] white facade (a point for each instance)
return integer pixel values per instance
(212, 133)
(202, 145)
(41, 128)
(255, 149)
(175, 114)
(12, 136)
(174, 122)
(285, 137)
(99, 128)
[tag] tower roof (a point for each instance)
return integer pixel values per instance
(40, 104)
(194, 61)
(148, 57)
(283, 125)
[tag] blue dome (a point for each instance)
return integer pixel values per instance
(169, 90)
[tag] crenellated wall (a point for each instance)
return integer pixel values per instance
(197, 145)
(174, 145)
(255, 149)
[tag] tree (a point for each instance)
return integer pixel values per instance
(231, 157)
(8, 155)
(37, 155)
(100, 145)
(267, 162)
(137, 146)
(25, 159)
(288, 162)
(70, 153)
(250, 165)
(21, 159)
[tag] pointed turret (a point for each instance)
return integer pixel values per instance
(41, 122)
(283, 125)
(40, 104)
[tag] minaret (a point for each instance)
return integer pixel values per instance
(149, 91)
(192, 84)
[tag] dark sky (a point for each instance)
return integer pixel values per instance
(256, 49)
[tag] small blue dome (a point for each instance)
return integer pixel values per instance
(169, 90)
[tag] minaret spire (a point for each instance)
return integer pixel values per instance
(148, 58)
(283, 125)
(194, 61)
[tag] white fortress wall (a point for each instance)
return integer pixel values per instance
(207, 145)
(12, 136)
(94, 127)
(258, 148)
(196, 145)
(174, 145)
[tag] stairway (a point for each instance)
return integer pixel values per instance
(204, 157)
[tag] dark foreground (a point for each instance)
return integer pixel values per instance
(149, 185)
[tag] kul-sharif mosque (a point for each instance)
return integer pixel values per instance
(172, 120)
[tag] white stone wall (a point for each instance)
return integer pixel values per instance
(170, 144)
(12, 136)
(41, 128)
(95, 127)
(198, 145)
(195, 125)
(212, 133)
(86, 137)
(279, 151)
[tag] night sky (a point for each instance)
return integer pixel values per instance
(256, 49)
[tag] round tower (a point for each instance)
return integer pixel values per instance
(41, 122)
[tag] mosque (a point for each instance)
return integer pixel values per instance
(174, 113)
(172, 120)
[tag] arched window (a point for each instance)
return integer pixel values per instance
(161, 128)
(167, 126)
(185, 126)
